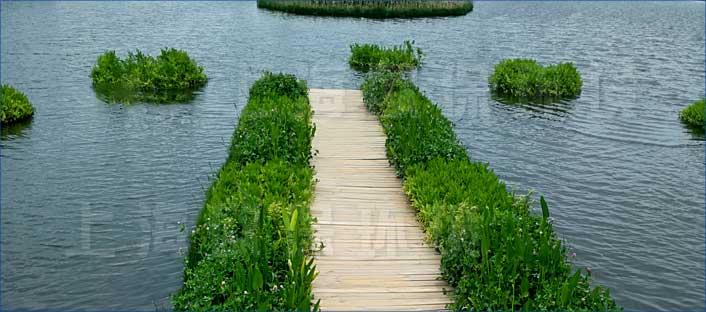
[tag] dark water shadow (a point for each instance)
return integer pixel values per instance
(15, 130)
(116, 95)
(697, 133)
(543, 106)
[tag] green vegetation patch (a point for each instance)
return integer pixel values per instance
(495, 253)
(370, 8)
(252, 241)
(15, 106)
(366, 57)
(526, 79)
(693, 115)
(170, 77)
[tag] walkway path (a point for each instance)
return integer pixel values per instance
(374, 256)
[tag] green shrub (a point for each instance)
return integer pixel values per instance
(526, 79)
(365, 57)
(251, 246)
(495, 253)
(15, 106)
(416, 129)
(274, 128)
(279, 85)
(170, 77)
(693, 115)
(370, 8)
(377, 86)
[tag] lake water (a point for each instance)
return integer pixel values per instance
(94, 195)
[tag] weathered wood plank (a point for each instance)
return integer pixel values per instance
(374, 255)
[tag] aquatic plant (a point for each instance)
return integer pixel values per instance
(250, 249)
(693, 115)
(279, 85)
(15, 106)
(495, 253)
(365, 57)
(370, 8)
(525, 79)
(170, 77)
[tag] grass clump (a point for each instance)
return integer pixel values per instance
(693, 115)
(526, 79)
(370, 8)
(495, 253)
(170, 77)
(252, 241)
(15, 106)
(366, 57)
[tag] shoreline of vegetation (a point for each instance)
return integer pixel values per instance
(172, 76)
(525, 79)
(252, 241)
(15, 106)
(495, 253)
(378, 9)
(693, 115)
(367, 57)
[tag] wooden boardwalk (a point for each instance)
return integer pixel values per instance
(374, 256)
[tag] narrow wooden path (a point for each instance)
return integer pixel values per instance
(374, 256)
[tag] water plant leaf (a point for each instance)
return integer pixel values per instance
(545, 208)
(257, 279)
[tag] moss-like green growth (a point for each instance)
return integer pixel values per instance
(525, 79)
(170, 77)
(252, 243)
(693, 115)
(494, 253)
(15, 106)
(366, 57)
(370, 8)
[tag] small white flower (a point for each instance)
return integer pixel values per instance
(245, 292)
(223, 282)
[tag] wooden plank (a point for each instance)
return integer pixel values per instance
(374, 255)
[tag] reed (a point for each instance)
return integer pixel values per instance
(370, 8)
(496, 254)
(15, 106)
(170, 77)
(526, 80)
(693, 115)
(250, 249)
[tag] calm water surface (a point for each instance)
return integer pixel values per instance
(94, 195)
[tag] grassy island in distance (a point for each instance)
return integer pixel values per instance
(15, 106)
(370, 8)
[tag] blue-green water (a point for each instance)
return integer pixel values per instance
(94, 195)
